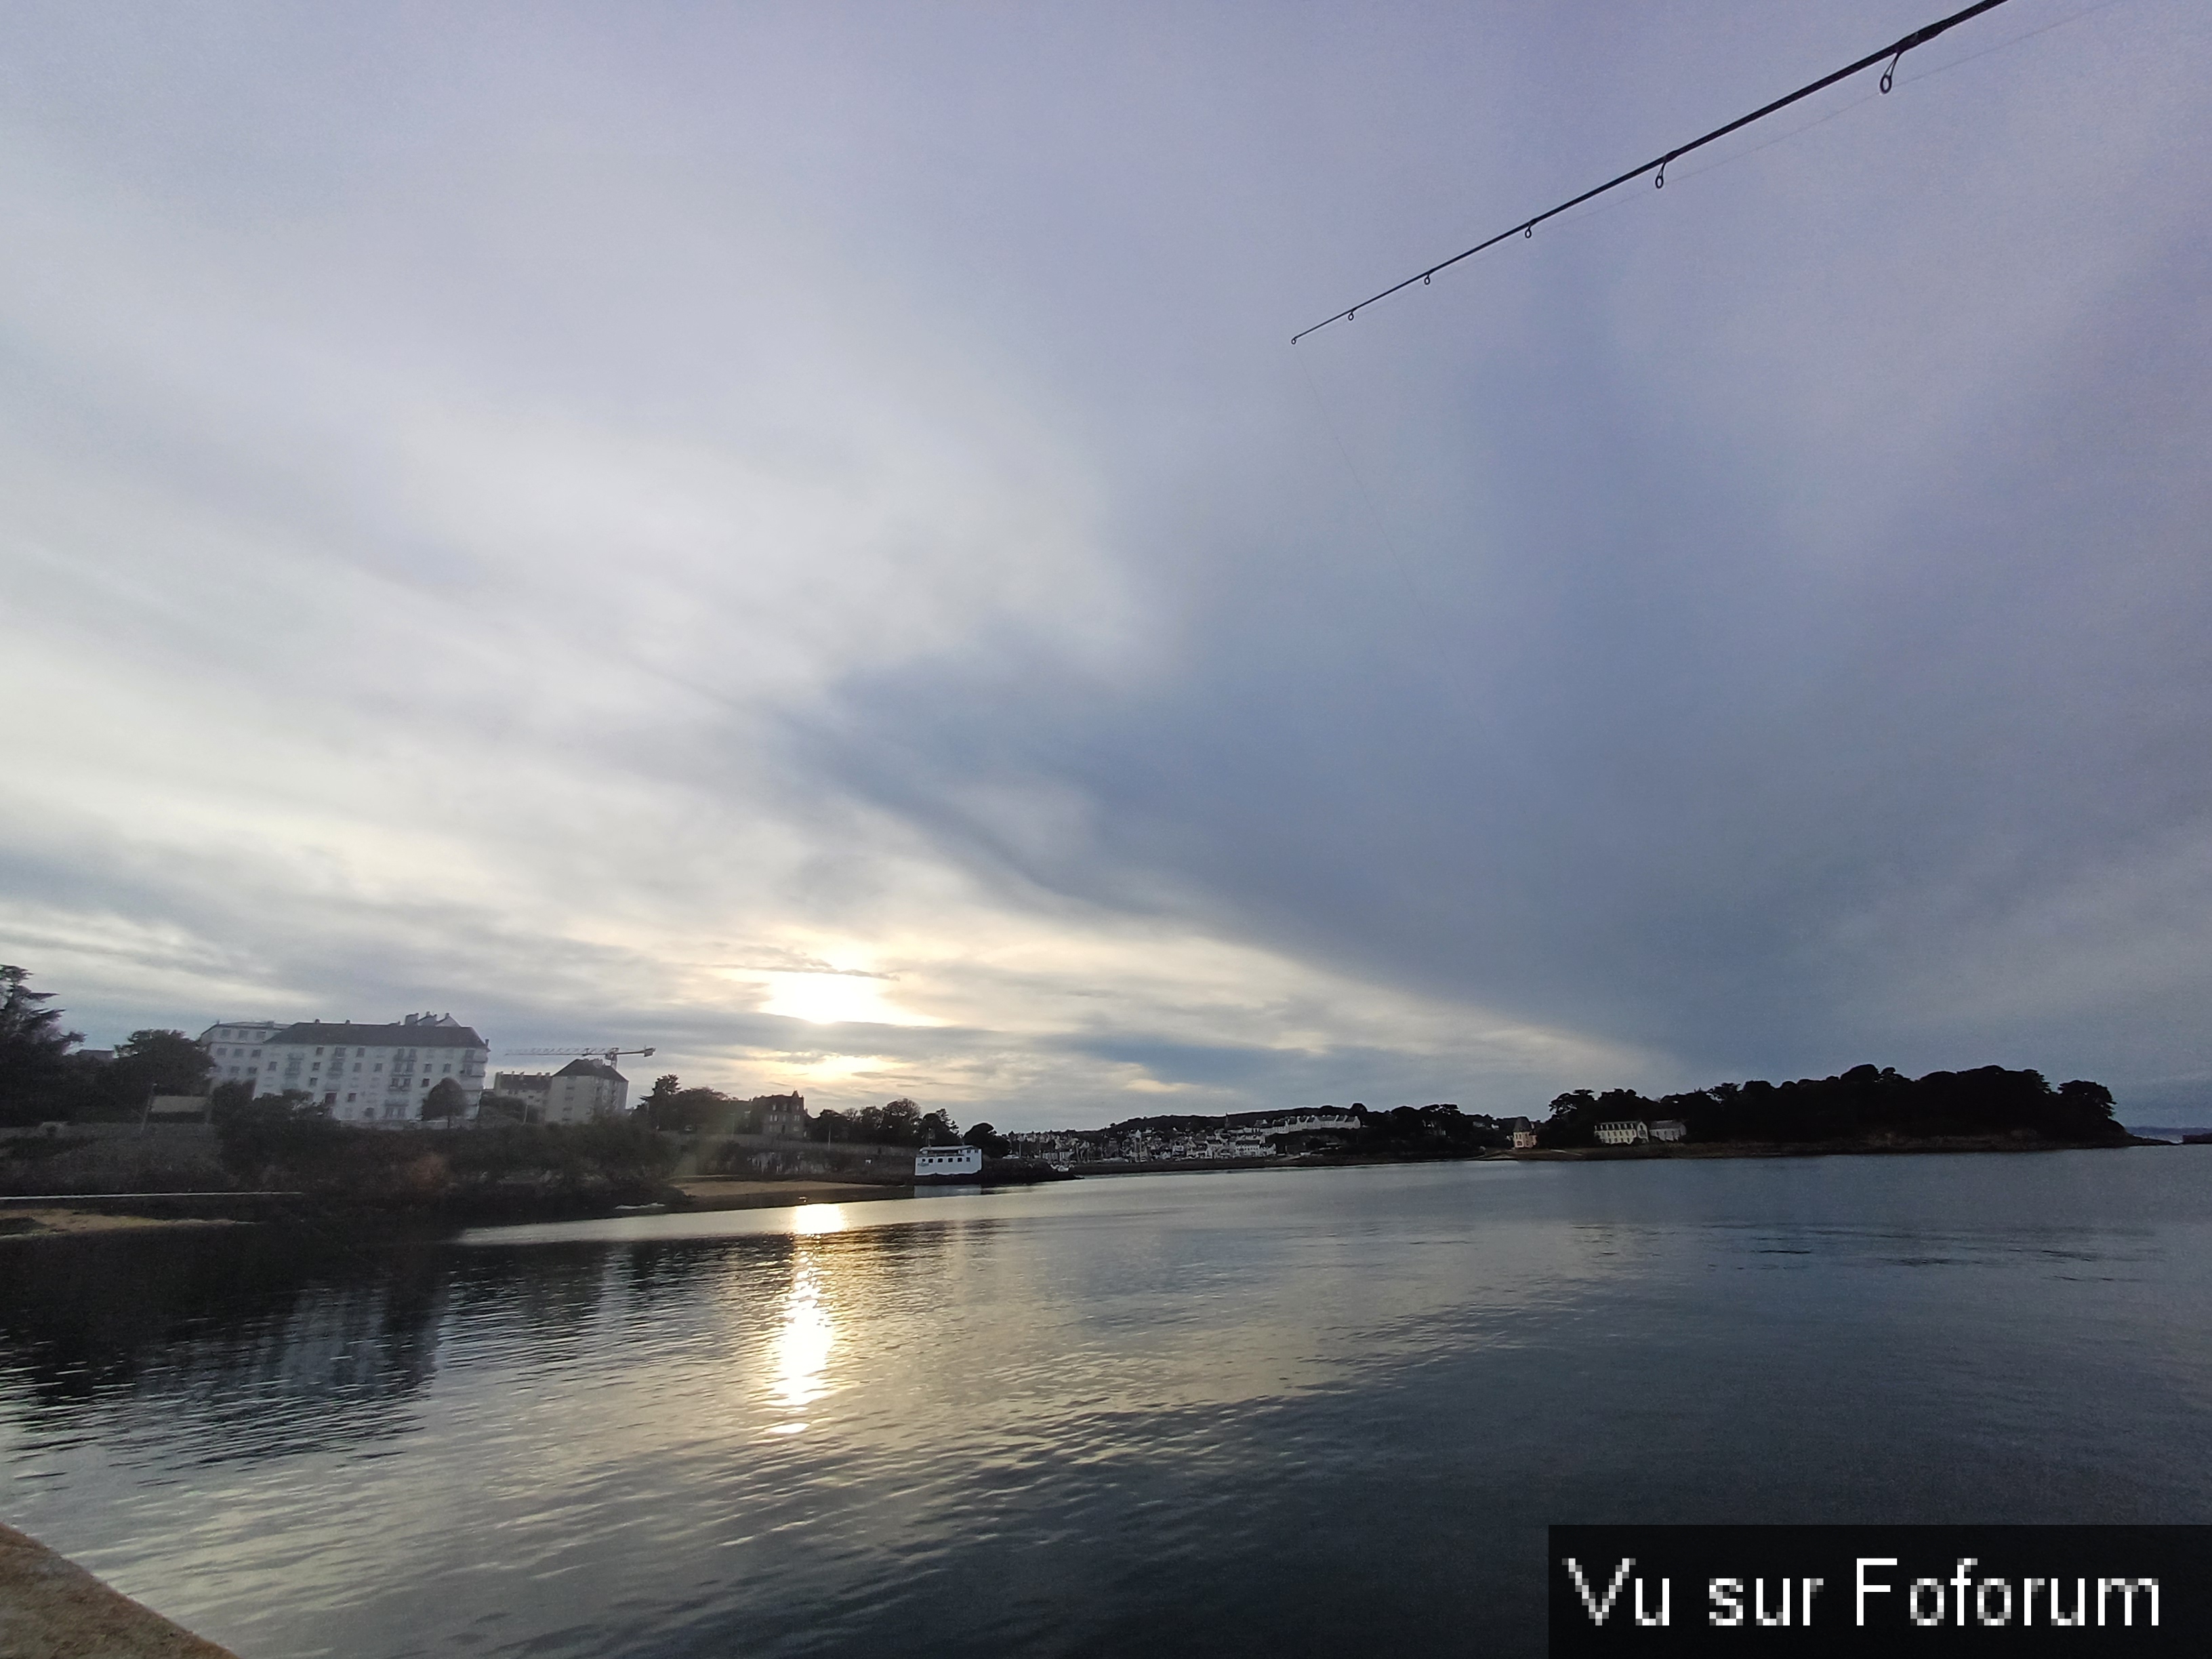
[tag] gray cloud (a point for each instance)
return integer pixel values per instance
(595, 521)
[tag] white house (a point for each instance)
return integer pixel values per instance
(1669, 1128)
(234, 1046)
(1628, 1132)
(1311, 1117)
(584, 1090)
(366, 1073)
(529, 1087)
(948, 1161)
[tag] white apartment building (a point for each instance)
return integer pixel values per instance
(1628, 1132)
(235, 1045)
(376, 1074)
(586, 1089)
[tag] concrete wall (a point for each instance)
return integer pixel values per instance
(51, 1609)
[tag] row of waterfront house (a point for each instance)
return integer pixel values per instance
(382, 1075)
(1635, 1130)
(1243, 1135)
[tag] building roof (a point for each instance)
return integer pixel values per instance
(598, 1069)
(394, 1035)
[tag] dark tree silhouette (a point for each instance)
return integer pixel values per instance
(445, 1101)
(34, 1047)
(1868, 1102)
(987, 1140)
(155, 1063)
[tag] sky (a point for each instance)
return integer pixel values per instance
(796, 536)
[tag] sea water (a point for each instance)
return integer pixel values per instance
(1296, 1411)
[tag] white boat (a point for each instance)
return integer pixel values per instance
(948, 1163)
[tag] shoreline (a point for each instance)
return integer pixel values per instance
(751, 1192)
(64, 1221)
(63, 1216)
(50, 1604)
(1867, 1147)
(1647, 1152)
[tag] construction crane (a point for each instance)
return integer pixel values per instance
(609, 1055)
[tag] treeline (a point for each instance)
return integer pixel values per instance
(41, 1081)
(695, 1111)
(895, 1123)
(698, 1111)
(288, 1143)
(1431, 1128)
(1866, 1102)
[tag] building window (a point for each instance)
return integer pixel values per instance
(349, 1100)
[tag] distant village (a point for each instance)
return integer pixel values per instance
(431, 1069)
(251, 1079)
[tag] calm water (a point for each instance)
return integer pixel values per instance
(1292, 1412)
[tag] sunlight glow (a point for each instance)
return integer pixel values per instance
(804, 1340)
(836, 1000)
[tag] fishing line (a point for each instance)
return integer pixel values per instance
(1424, 610)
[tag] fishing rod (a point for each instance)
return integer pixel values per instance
(1894, 52)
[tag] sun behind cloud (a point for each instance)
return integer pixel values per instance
(834, 998)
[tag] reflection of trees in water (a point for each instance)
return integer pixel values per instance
(259, 1341)
(256, 1342)
(551, 1295)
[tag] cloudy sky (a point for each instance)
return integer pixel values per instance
(795, 534)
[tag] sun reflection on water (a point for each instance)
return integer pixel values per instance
(804, 1339)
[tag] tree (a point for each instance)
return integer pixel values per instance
(446, 1100)
(155, 1063)
(697, 1111)
(504, 1109)
(33, 1047)
(2092, 1102)
(229, 1097)
(258, 1135)
(660, 1099)
(987, 1141)
(938, 1129)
